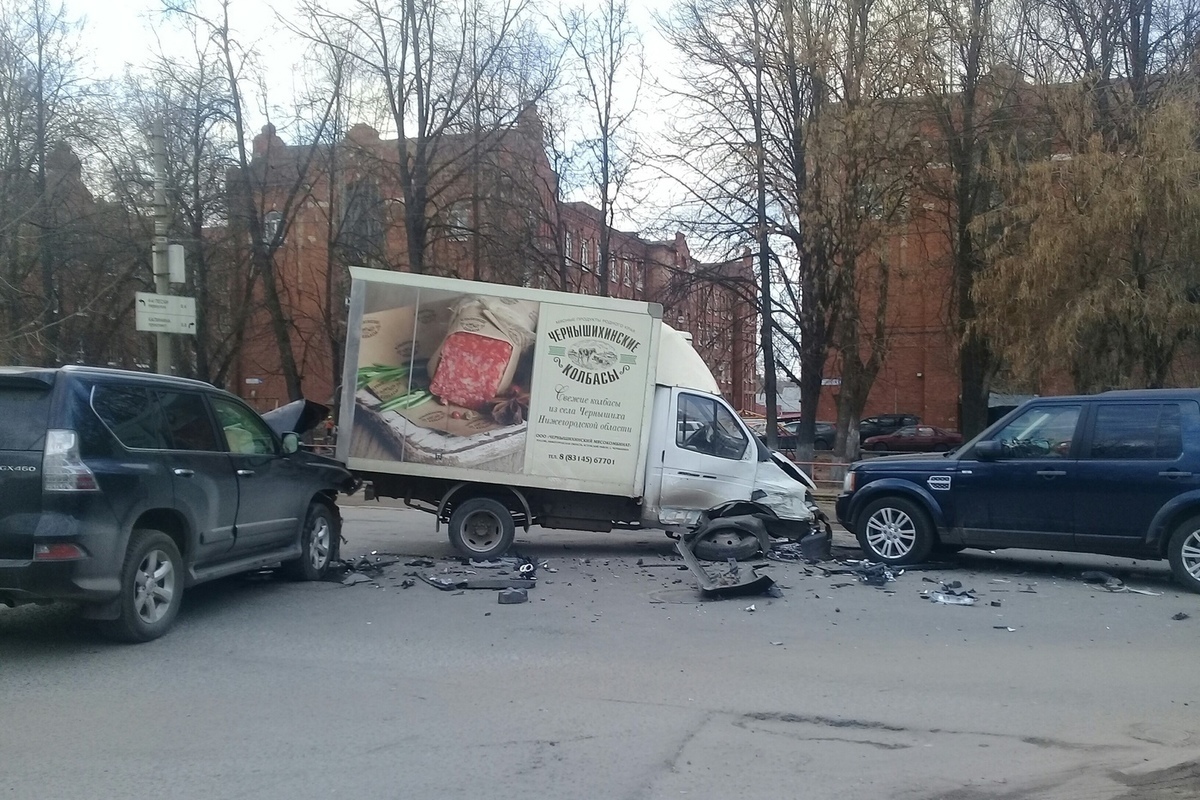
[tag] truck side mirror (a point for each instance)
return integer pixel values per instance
(989, 450)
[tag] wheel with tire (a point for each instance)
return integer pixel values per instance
(1183, 551)
(318, 545)
(895, 530)
(151, 588)
(482, 528)
(726, 543)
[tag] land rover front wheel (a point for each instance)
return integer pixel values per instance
(895, 530)
(1183, 551)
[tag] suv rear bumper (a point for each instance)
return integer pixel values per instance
(28, 581)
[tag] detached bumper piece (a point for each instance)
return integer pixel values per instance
(734, 583)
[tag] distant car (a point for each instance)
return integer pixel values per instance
(119, 490)
(915, 439)
(881, 424)
(823, 435)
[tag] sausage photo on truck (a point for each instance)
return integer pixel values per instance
(443, 378)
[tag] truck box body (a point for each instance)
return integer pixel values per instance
(483, 383)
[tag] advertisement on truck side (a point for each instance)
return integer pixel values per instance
(466, 380)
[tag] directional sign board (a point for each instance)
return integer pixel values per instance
(164, 313)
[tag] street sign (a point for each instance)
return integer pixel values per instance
(176, 268)
(164, 313)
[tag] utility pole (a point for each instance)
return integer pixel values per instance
(159, 265)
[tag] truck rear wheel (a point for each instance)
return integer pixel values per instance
(482, 528)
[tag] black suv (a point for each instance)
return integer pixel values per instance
(881, 424)
(119, 489)
(1116, 473)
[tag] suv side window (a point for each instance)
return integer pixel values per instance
(132, 414)
(1041, 432)
(245, 433)
(1141, 431)
(188, 422)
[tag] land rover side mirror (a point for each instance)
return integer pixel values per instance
(989, 450)
(291, 443)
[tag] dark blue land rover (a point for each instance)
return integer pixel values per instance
(1115, 473)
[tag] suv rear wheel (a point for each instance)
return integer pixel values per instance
(151, 588)
(895, 530)
(1183, 551)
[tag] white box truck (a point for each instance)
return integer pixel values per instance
(496, 406)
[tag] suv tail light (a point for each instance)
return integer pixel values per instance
(62, 468)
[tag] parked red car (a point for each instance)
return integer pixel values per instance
(915, 439)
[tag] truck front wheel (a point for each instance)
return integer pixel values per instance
(482, 528)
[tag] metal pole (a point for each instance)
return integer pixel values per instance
(162, 284)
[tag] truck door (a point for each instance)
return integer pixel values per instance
(710, 460)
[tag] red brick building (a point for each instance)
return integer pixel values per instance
(495, 219)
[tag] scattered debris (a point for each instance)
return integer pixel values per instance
(1180, 616)
(355, 578)
(750, 607)
(777, 644)
(952, 599)
(447, 581)
(1113, 584)
(407, 583)
(996, 603)
(1004, 628)
(419, 562)
(509, 597)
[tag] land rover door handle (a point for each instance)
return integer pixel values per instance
(184, 473)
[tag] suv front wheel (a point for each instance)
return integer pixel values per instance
(151, 588)
(1183, 551)
(318, 545)
(895, 530)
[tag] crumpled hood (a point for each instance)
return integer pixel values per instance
(780, 491)
(298, 416)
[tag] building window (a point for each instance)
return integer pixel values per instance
(272, 231)
(569, 247)
(361, 238)
(626, 268)
(587, 255)
(612, 272)
(637, 276)
(458, 217)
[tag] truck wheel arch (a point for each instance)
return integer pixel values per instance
(466, 491)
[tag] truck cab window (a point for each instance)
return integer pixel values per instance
(706, 426)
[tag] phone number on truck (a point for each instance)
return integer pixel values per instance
(583, 459)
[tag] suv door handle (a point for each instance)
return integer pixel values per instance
(245, 473)
(1051, 473)
(184, 473)
(1174, 473)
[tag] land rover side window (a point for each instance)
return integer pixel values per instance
(706, 426)
(244, 432)
(1043, 432)
(188, 421)
(133, 416)
(1141, 431)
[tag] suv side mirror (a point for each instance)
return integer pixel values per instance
(989, 450)
(291, 443)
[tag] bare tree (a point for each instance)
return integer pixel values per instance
(607, 58)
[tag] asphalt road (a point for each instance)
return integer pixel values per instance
(614, 681)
